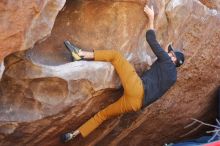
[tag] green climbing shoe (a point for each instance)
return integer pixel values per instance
(73, 50)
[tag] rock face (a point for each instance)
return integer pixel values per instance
(24, 22)
(43, 94)
(212, 4)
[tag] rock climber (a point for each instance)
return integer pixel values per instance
(139, 92)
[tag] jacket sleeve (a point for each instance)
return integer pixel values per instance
(155, 46)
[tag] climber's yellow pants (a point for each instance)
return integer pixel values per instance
(133, 91)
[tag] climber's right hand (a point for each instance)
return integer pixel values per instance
(149, 12)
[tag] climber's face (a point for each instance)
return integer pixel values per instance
(170, 51)
(172, 56)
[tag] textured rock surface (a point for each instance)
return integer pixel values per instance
(213, 4)
(24, 22)
(110, 27)
(45, 96)
(47, 90)
(2, 67)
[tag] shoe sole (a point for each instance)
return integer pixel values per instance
(69, 46)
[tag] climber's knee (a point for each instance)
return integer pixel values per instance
(137, 107)
(135, 104)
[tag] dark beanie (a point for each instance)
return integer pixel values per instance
(180, 58)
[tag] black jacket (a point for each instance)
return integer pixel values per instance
(162, 74)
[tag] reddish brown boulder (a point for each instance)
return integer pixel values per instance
(25, 22)
(45, 95)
